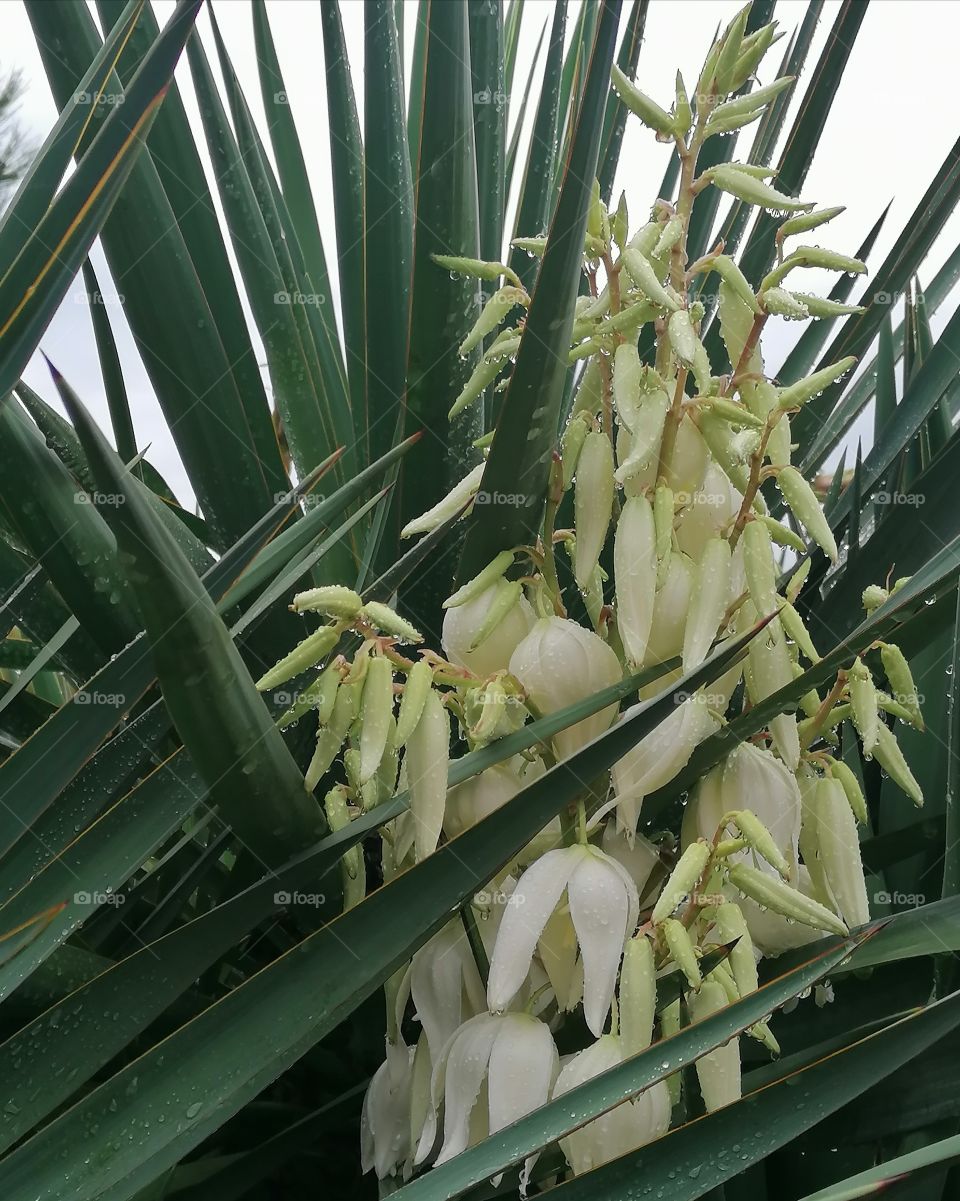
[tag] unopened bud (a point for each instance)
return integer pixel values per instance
(805, 389)
(638, 995)
(649, 112)
(641, 271)
(737, 182)
(304, 655)
(890, 757)
(635, 569)
(681, 950)
(419, 682)
(682, 880)
(807, 509)
(901, 681)
(376, 712)
(482, 581)
(507, 593)
(593, 502)
(333, 600)
(863, 700)
(492, 314)
(771, 893)
(708, 601)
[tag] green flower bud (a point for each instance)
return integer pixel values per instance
(751, 101)
(732, 928)
(628, 374)
(807, 221)
(456, 498)
(376, 712)
(638, 995)
(774, 894)
(758, 565)
(482, 581)
(848, 781)
(589, 399)
(621, 222)
(319, 695)
(641, 271)
(571, 444)
(863, 699)
(683, 337)
(672, 232)
(532, 246)
(682, 880)
(736, 414)
(593, 502)
(718, 1072)
(480, 379)
(720, 438)
(890, 757)
(663, 508)
(708, 602)
(647, 432)
(507, 593)
(427, 760)
(384, 619)
(737, 182)
(730, 48)
(807, 509)
(492, 314)
(635, 569)
(874, 596)
(681, 949)
(649, 112)
(352, 869)
(783, 535)
(784, 304)
(760, 839)
(669, 1026)
(476, 268)
(803, 390)
(901, 681)
(797, 580)
(839, 849)
(305, 654)
(731, 275)
(722, 125)
(752, 51)
(816, 306)
(795, 628)
(333, 600)
(419, 682)
(682, 112)
(492, 709)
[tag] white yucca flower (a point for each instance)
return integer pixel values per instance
(385, 1115)
(658, 757)
(460, 626)
(838, 847)
(712, 507)
(478, 797)
(719, 1070)
(670, 607)
(493, 1070)
(560, 662)
(444, 984)
(749, 778)
(603, 905)
(630, 1125)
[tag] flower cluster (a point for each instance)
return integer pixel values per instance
(687, 525)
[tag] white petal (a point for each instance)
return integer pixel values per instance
(385, 1130)
(436, 984)
(600, 905)
(523, 1067)
(534, 899)
(584, 1148)
(466, 1067)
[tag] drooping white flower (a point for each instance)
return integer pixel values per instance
(658, 757)
(603, 908)
(637, 854)
(511, 1058)
(670, 608)
(630, 1125)
(445, 985)
(460, 626)
(560, 662)
(385, 1115)
(715, 503)
(478, 797)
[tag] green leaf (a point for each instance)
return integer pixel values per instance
(222, 720)
(444, 306)
(533, 207)
(603, 1092)
(233, 476)
(519, 461)
(904, 1168)
(346, 154)
(388, 228)
(489, 121)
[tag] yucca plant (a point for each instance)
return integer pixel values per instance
(329, 850)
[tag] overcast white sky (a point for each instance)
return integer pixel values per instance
(892, 124)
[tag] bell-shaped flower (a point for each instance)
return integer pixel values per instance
(559, 663)
(478, 797)
(628, 1126)
(838, 848)
(603, 908)
(637, 854)
(445, 985)
(385, 1115)
(495, 1069)
(749, 778)
(462, 623)
(658, 757)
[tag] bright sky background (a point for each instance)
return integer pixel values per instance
(890, 129)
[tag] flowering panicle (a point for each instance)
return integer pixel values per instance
(676, 519)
